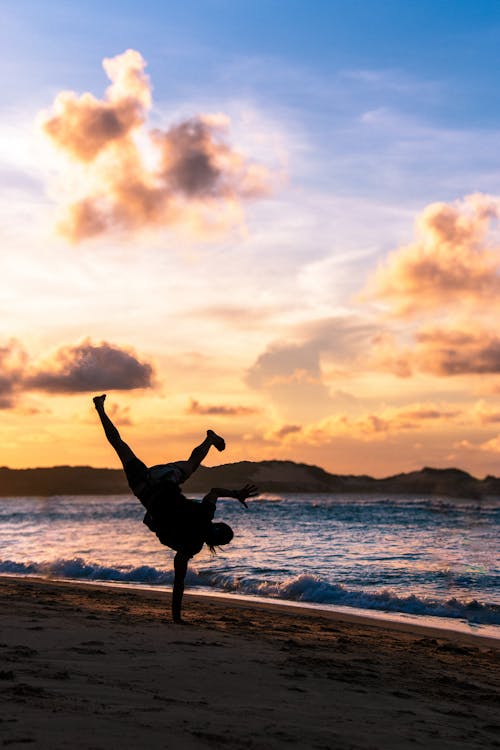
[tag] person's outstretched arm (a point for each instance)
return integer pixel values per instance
(180, 567)
(249, 490)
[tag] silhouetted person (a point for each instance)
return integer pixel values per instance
(180, 523)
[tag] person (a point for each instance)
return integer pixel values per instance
(182, 524)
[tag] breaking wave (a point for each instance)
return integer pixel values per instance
(302, 588)
(78, 569)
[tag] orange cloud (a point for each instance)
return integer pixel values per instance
(287, 429)
(120, 415)
(444, 352)
(84, 367)
(292, 372)
(220, 410)
(12, 363)
(490, 446)
(340, 338)
(385, 354)
(190, 175)
(458, 352)
(89, 367)
(453, 260)
(485, 414)
(83, 126)
(379, 425)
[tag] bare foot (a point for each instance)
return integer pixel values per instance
(216, 440)
(99, 401)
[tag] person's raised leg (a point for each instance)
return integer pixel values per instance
(201, 452)
(125, 453)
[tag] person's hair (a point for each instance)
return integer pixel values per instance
(217, 535)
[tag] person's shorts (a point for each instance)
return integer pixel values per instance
(141, 479)
(175, 472)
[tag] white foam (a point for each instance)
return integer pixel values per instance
(303, 588)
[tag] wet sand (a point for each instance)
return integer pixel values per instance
(96, 668)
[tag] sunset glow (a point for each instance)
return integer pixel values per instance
(289, 237)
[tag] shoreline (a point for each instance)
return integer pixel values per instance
(431, 626)
(80, 658)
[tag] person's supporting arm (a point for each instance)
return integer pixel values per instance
(180, 566)
(249, 490)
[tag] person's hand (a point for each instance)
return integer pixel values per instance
(249, 490)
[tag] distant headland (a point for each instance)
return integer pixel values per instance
(269, 476)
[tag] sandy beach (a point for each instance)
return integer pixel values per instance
(91, 667)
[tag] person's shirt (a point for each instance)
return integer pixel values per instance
(178, 522)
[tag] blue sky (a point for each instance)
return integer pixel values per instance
(362, 115)
(454, 44)
(321, 65)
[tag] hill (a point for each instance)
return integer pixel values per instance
(269, 476)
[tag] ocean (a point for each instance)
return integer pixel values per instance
(417, 556)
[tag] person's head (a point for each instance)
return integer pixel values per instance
(218, 534)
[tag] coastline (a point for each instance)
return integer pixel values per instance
(248, 674)
(424, 625)
(271, 476)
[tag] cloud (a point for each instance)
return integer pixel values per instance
(458, 352)
(291, 372)
(286, 363)
(485, 414)
(120, 415)
(12, 363)
(386, 354)
(343, 339)
(291, 375)
(220, 410)
(490, 446)
(88, 367)
(84, 126)
(84, 367)
(379, 425)
(454, 259)
(133, 178)
(443, 352)
(287, 429)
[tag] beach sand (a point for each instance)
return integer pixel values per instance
(91, 667)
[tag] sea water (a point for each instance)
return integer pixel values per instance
(415, 555)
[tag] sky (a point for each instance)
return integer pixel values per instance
(277, 220)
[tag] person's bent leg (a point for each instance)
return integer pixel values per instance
(199, 453)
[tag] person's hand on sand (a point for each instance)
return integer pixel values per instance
(249, 490)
